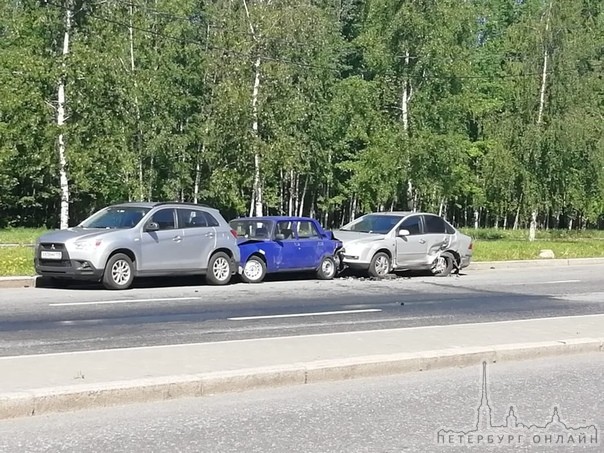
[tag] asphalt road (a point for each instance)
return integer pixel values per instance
(41, 320)
(390, 414)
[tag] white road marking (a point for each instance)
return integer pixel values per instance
(123, 301)
(552, 282)
(299, 315)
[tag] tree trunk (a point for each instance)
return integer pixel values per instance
(301, 207)
(544, 71)
(407, 93)
(257, 186)
(64, 182)
(476, 218)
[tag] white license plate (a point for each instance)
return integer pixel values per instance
(46, 255)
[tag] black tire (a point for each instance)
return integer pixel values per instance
(443, 265)
(380, 265)
(327, 269)
(119, 272)
(254, 270)
(219, 269)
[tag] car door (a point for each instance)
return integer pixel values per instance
(437, 234)
(288, 247)
(310, 244)
(411, 249)
(199, 238)
(161, 250)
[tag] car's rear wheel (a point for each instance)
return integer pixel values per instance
(219, 269)
(119, 272)
(254, 270)
(443, 265)
(327, 268)
(380, 265)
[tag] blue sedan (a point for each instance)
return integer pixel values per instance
(285, 244)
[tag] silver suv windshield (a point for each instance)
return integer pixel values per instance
(115, 217)
(376, 224)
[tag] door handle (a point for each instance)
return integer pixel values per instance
(421, 241)
(177, 239)
(209, 235)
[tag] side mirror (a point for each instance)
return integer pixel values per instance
(279, 237)
(403, 233)
(152, 226)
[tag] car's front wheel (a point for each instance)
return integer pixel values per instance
(119, 272)
(380, 265)
(254, 270)
(327, 268)
(219, 269)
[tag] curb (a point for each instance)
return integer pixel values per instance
(69, 398)
(19, 282)
(521, 264)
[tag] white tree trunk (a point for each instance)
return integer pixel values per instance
(256, 204)
(64, 182)
(136, 107)
(292, 190)
(476, 218)
(406, 94)
(544, 72)
(301, 207)
(197, 179)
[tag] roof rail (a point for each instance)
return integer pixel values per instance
(183, 203)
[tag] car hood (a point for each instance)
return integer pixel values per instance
(73, 234)
(350, 237)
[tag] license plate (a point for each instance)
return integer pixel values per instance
(46, 255)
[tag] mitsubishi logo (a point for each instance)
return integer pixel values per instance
(52, 246)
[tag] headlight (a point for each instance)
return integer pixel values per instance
(90, 244)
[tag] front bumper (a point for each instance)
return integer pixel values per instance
(68, 269)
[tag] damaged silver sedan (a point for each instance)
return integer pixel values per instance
(380, 243)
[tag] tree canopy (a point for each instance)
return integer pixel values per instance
(481, 111)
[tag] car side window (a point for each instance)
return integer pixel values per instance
(164, 218)
(434, 225)
(412, 224)
(286, 229)
(191, 218)
(211, 221)
(307, 230)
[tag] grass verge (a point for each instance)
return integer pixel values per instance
(16, 261)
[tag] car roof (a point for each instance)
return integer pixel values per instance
(152, 204)
(397, 213)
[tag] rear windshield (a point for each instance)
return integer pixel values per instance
(115, 217)
(252, 229)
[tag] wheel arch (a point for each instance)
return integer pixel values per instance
(126, 251)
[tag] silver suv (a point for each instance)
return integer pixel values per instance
(128, 240)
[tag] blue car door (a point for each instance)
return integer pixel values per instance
(311, 244)
(286, 240)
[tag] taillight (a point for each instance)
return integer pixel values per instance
(234, 233)
(471, 245)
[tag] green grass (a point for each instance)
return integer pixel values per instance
(492, 244)
(20, 235)
(489, 245)
(506, 249)
(16, 261)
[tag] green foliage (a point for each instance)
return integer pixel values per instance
(159, 106)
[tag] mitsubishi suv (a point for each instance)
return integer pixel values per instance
(124, 241)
